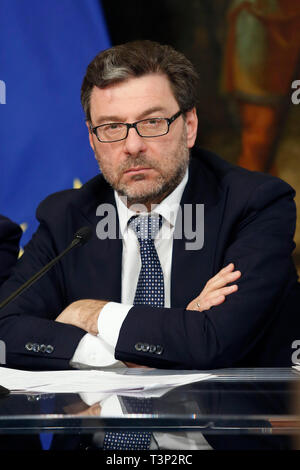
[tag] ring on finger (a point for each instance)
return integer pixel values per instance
(198, 305)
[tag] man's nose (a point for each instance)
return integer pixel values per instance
(134, 144)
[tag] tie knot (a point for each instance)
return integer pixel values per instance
(146, 227)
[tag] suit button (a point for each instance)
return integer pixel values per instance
(152, 348)
(138, 346)
(35, 347)
(49, 349)
(159, 349)
(28, 346)
(42, 348)
(145, 347)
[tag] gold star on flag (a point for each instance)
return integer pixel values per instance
(77, 183)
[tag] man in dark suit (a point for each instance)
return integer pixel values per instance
(10, 234)
(230, 292)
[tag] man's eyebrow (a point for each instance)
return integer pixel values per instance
(105, 119)
(114, 118)
(154, 109)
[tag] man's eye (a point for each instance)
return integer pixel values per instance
(112, 127)
(152, 122)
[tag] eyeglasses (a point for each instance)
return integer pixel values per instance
(151, 127)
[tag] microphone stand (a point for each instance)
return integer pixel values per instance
(78, 240)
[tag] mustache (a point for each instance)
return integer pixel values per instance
(140, 160)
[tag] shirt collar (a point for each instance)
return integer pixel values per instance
(168, 207)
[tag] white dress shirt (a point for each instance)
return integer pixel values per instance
(99, 350)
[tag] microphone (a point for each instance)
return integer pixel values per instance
(81, 236)
(79, 239)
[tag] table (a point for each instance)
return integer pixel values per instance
(258, 404)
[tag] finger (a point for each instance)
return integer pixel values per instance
(203, 303)
(206, 300)
(219, 300)
(226, 290)
(220, 280)
(223, 271)
(225, 276)
(206, 305)
(229, 267)
(193, 306)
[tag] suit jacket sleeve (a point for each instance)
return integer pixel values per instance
(33, 339)
(260, 245)
(10, 234)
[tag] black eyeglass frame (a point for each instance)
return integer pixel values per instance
(134, 125)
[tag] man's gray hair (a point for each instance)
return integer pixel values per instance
(138, 58)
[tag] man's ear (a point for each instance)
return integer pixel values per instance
(91, 140)
(191, 122)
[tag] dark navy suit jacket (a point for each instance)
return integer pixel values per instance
(10, 234)
(249, 220)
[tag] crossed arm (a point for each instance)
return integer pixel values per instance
(84, 313)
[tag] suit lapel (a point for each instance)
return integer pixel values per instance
(192, 268)
(105, 254)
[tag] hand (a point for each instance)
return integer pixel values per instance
(216, 289)
(132, 365)
(83, 314)
(80, 409)
(94, 410)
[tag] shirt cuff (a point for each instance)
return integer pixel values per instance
(111, 407)
(110, 321)
(93, 351)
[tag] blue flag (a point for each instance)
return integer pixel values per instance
(45, 47)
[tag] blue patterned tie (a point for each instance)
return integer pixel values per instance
(149, 291)
(150, 287)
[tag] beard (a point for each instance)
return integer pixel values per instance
(170, 172)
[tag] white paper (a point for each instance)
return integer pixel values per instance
(76, 381)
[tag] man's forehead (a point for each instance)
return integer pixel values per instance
(149, 92)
